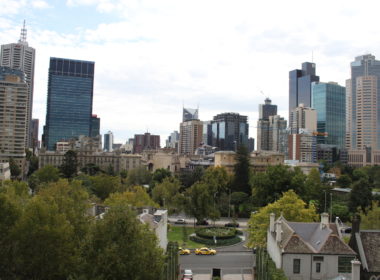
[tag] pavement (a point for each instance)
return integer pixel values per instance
(221, 222)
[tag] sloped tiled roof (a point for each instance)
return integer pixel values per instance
(370, 240)
(299, 237)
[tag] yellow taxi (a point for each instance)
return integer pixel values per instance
(205, 251)
(183, 251)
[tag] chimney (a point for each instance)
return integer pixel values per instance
(278, 231)
(355, 224)
(271, 222)
(355, 270)
(324, 220)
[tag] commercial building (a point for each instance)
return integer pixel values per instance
(266, 110)
(189, 114)
(263, 125)
(363, 107)
(145, 141)
(190, 136)
(229, 131)
(173, 140)
(34, 134)
(272, 134)
(300, 85)
(69, 103)
(302, 147)
(14, 102)
(20, 56)
(207, 133)
(108, 142)
(329, 100)
(95, 126)
(303, 119)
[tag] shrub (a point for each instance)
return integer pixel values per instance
(218, 232)
(219, 242)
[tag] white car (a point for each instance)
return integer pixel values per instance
(180, 221)
(187, 274)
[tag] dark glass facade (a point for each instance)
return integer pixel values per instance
(266, 110)
(95, 126)
(69, 104)
(329, 100)
(229, 130)
(300, 85)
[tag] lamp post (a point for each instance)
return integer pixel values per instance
(229, 203)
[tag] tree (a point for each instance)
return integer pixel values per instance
(137, 197)
(14, 168)
(138, 176)
(361, 195)
(160, 174)
(216, 178)
(190, 178)
(200, 202)
(103, 185)
(90, 169)
(344, 181)
(43, 246)
(43, 175)
(313, 186)
(242, 171)
(69, 166)
(165, 193)
(370, 219)
(289, 205)
(117, 247)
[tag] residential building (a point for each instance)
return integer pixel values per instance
(229, 131)
(190, 136)
(20, 56)
(146, 141)
(329, 100)
(95, 126)
(34, 134)
(189, 114)
(366, 244)
(69, 104)
(310, 250)
(14, 102)
(300, 85)
(272, 134)
(5, 172)
(303, 118)
(363, 107)
(108, 142)
(302, 147)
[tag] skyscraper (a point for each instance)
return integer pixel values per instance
(190, 136)
(108, 142)
(229, 130)
(34, 133)
(20, 56)
(69, 104)
(189, 114)
(303, 118)
(13, 115)
(300, 85)
(329, 100)
(263, 126)
(95, 126)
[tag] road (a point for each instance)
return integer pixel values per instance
(230, 263)
(220, 222)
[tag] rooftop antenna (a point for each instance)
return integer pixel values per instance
(23, 34)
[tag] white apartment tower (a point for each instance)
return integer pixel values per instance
(20, 56)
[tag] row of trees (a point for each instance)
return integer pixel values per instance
(50, 235)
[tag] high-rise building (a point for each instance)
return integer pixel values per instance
(14, 104)
(190, 136)
(145, 141)
(302, 147)
(69, 103)
(272, 134)
(267, 109)
(329, 100)
(20, 56)
(263, 125)
(303, 118)
(173, 140)
(108, 142)
(300, 85)
(207, 133)
(95, 126)
(229, 131)
(34, 133)
(251, 144)
(189, 114)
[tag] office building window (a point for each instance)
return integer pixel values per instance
(296, 266)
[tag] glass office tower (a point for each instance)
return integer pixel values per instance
(329, 100)
(69, 104)
(300, 85)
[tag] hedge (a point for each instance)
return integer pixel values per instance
(219, 233)
(219, 242)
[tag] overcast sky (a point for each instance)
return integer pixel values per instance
(153, 56)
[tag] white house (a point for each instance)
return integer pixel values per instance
(158, 221)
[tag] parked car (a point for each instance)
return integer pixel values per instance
(231, 225)
(205, 251)
(180, 221)
(183, 251)
(202, 223)
(187, 274)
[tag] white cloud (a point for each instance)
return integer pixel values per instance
(11, 7)
(40, 4)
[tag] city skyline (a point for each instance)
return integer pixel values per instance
(153, 57)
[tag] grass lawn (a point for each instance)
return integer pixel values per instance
(176, 234)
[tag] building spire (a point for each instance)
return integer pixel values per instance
(23, 34)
